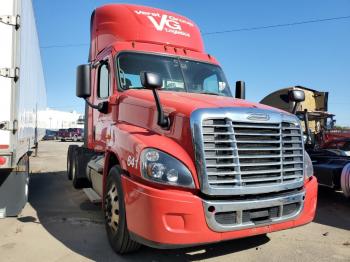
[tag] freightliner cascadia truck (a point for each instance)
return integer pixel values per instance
(177, 159)
(23, 99)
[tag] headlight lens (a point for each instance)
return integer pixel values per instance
(309, 169)
(160, 167)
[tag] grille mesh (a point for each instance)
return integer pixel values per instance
(242, 154)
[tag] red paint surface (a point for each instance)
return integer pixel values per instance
(331, 136)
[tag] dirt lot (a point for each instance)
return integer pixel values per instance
(60, 224)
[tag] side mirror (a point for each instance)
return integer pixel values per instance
(296, 96)
(151, 80)
(240, 90)
(83, 89)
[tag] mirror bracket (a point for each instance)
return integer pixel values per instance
(101, 107)
(153, 81)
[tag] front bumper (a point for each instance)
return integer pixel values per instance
(172, 218)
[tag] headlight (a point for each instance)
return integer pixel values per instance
(160, 167)
(308, 168)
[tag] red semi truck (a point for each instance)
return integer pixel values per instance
(175, 157)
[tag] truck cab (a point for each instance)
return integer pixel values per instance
(176, 158)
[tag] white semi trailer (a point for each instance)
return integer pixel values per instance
(23, 98)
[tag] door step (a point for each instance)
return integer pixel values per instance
(92, 195)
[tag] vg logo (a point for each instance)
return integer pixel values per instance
(165, 21)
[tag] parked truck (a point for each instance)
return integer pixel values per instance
(177, 159)
(72, 134)
(23, 98)
(330, 159)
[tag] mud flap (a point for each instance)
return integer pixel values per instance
(14, 189)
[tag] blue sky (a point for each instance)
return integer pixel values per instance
(314, 55)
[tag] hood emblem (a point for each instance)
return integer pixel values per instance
(259, 117)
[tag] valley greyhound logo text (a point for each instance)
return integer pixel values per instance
(166, 23)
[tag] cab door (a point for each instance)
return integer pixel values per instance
(103, 91)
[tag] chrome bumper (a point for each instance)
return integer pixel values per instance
(224, 216)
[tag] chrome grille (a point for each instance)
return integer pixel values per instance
(246, 154)
(247, 157)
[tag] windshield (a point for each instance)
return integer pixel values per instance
(178, 74)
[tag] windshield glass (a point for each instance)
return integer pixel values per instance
(178, 74)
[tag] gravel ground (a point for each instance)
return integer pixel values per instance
(60, 224)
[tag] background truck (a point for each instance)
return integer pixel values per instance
(23, 98)
(176, 159)
(328, 152)
(73, 134)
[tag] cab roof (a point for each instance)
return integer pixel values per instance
(133, 23)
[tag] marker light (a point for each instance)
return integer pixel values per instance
(308, 168)
(3, 161)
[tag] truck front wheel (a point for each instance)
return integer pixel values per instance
(115, 216)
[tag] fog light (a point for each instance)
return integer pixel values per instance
(156, 170)
(172, 175)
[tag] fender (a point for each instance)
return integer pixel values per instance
(128, 141)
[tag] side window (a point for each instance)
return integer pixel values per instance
(103, 81)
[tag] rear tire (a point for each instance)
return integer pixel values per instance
(115, 215)
(345, 180)
(70, 156)
(78, 181)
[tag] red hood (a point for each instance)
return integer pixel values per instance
(183, 103)
(138, 108)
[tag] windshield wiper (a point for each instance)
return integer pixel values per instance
(209, 93)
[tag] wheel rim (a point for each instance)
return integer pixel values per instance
(112, 208)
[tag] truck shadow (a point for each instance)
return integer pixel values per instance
(333, 209)
(68, 216)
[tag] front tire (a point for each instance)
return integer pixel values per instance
(115, 215)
